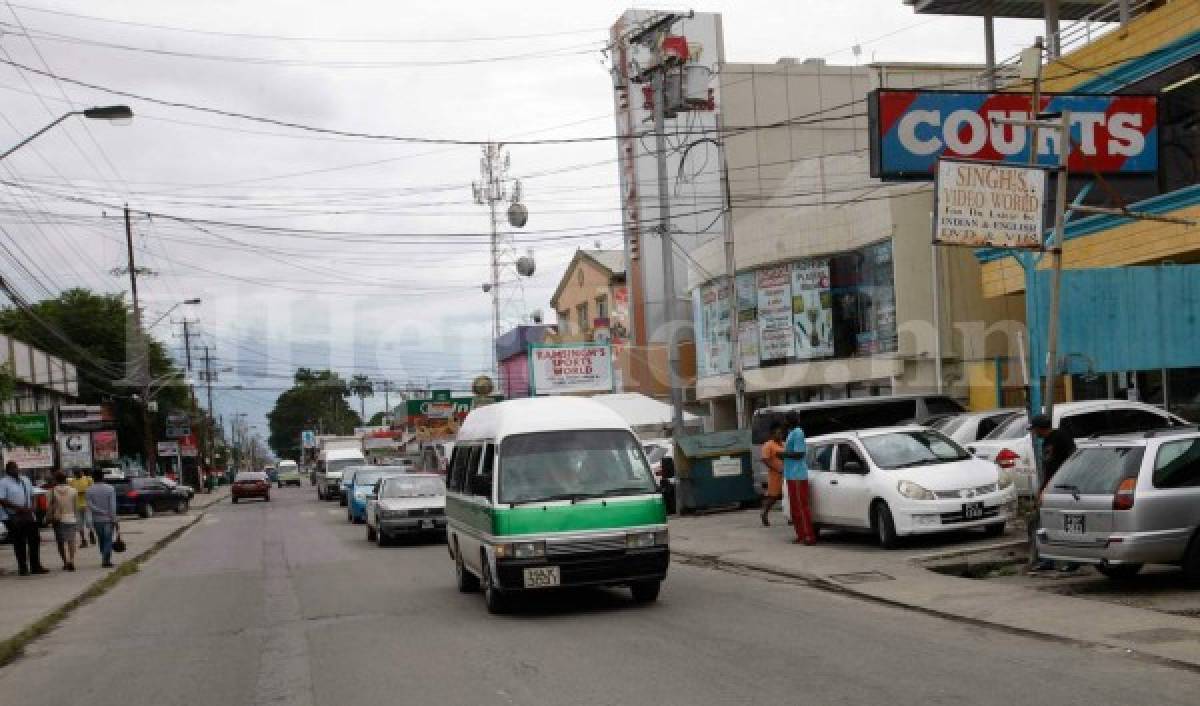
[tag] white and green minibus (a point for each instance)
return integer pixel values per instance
(553, 492)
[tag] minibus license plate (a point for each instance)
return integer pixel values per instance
(542, 577)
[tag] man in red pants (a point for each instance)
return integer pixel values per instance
(795, 476)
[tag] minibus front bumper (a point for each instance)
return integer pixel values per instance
(593, 569)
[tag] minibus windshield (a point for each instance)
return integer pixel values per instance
(571, 465)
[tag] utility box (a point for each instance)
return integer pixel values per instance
(715, 471)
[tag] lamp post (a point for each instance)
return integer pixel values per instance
(115, 113)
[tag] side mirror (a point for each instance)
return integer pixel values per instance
(852, 467)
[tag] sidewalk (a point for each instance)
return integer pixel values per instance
(24, 600)
(854, 565)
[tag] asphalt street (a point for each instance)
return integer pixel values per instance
(286, 603)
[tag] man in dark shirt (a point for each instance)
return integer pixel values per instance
(1057, 447)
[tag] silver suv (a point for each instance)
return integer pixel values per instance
(1124, 501)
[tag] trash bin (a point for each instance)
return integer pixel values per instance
(715, 471)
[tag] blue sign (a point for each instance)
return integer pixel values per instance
(308, 439)
(911, 130)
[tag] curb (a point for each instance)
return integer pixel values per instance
(824, 584)
(13, 647)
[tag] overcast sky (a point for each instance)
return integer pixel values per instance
(380, 269)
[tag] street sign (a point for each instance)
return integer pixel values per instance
(36, 426)
(40, 456)
(984, 204)
(75, 450)
(104, 446)
(188, 446)
(168, 448)
(308, 439)
(178, 426)
(909, 130)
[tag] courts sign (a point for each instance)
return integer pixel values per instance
(911, 130)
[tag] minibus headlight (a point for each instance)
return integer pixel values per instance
(641, 540)
(521, 550)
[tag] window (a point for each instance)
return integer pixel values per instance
(1178, 465)
(456, 480)
(907, 449)
(1081, 426)
(821, 457)
(1015, 427)
(846, 453)
(562, 465)
(602, 307)
(989, 424)
(936, 406)
(477, 482)
(1097, 470)
(564, 320)
(582, 312)
(1136, 420)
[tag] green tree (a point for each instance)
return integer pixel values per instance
(317, 400)
(377, 419)
(361, 387)
(88, 330)
(10, 434)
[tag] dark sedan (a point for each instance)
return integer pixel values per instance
(146, 496)
(251, 484)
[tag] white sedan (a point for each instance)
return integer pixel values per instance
(904, 481)
(409, 504)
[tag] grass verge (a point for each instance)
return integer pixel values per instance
(13, 647)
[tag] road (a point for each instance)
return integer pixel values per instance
(286, 603)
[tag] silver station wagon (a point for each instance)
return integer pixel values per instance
(1121, 502)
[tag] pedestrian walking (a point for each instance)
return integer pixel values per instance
(795, 476)
(63, 519)
(1057, 447)
(16, 509)
(102, 503)
(81, 482)
(772, 458)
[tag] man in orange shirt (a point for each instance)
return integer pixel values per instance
(772, 458)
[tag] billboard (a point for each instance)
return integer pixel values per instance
(84, 416)
(75, 450)
(104, 446)
(569, 368)
(40, 456)
(36, 425)
(440, 416)
(910, 130)
(981, 204)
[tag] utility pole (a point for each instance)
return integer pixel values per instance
(208, 381)
(652, 36)
(386, 386)
(143, 352)
(194, 428)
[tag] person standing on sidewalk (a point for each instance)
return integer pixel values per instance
(773, 460)
(795, 475)
(102, 503)
(16, 509)
(63, 519)
(1057, 447)
(81, 482)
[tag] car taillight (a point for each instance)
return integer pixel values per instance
(1123, 500)
(1007, 458)
(131, 494)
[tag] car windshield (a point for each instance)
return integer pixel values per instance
(365, 478)
(1096, 470)
(338, 465)
(1014, 427)
(947, 424)
(919, 447)
(572, 465)
(413, 487)
(249, 476)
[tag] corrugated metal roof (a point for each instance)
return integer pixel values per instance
(614, 260)
(1026, 9)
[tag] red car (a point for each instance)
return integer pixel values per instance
(251, 484)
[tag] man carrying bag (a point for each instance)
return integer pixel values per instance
(16, 509)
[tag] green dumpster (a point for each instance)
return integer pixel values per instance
(715, 471)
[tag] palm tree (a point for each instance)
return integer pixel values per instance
(361, 387)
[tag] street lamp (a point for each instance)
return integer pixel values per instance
(174, 306)
(119, 114)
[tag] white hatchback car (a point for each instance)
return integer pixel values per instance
(904, 481)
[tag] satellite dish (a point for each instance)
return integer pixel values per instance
(536, 316)
(487, 287)
(518, 215)
(526, 266)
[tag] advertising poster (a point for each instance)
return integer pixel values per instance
(40, 456)
(747, 296)
(812, 308)
(987, 205)
(717, 327)
(104, 446)
(75, 449)
(618, 316)
(35, 425)
(563, 369)
(775, 337)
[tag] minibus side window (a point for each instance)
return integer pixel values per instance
(458, 466)
(476, 483)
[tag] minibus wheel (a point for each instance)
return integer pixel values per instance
(467, 582)
(493, 597)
